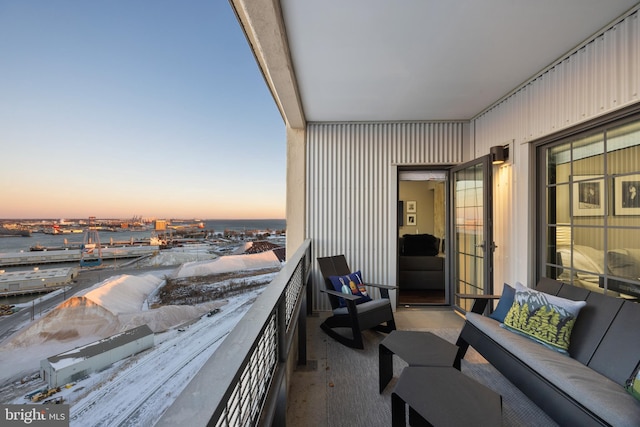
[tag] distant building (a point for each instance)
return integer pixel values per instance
(80, 362)
(36, 280)
(160, 225)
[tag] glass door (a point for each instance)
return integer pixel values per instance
(472, 225)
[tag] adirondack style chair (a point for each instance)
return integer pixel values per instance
(354, 312)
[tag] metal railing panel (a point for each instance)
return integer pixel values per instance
(242, 383)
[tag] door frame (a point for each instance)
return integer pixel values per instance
(488, 243)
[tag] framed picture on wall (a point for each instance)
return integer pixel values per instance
(626, 195)
(588, 196)
(411, 206)
(411, 219)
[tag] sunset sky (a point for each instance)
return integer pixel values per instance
(122, 108)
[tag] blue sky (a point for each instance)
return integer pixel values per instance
(122, 108)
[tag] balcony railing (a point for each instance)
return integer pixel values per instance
(244, 381)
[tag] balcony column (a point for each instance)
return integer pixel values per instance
(296, 188)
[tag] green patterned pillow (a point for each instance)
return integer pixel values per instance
(633, 383)
(545, 318)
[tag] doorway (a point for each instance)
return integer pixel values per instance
(422, 229)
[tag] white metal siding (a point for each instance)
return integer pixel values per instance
(349, 188)
(349, 164)
(600, 76)
(502, 225)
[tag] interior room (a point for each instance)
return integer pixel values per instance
(422, 208)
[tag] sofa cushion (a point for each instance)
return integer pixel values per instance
(592, 324)
(602, 396)
(421, 280)
(420, 245)
(545, 318)
(624, 263)
(504, 304)
(371, 305)
(622, 339)
(351, 284)
(421, 263)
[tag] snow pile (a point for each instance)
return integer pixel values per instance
(105, 309)
(75, 320)
(229, 263)
(122, 294)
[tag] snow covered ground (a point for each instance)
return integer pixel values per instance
(137, 390)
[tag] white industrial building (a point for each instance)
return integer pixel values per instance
(36, 280)
(78, 363)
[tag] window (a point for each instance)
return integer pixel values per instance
(590, 209)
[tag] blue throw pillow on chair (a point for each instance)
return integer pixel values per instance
(351, 284)
(504, 304)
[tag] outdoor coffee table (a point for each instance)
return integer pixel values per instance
(417, 349)
(440, 396)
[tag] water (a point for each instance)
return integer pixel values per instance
(17, 244)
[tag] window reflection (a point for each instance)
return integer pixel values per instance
(593, 211)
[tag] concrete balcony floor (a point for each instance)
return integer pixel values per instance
(339, 387)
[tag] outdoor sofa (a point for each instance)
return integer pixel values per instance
(585, 387)
(421, 263)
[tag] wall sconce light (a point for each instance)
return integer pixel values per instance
(499, 154)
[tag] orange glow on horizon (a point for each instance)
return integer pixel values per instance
(56, 205)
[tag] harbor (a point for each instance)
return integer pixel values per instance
(39, 261)
(47, 234)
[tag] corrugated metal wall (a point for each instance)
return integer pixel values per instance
(598, 77)
(349, 188)
(349, 179)
(603, 75)
(503, 220)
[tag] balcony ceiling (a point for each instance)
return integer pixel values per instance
(379, 60)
